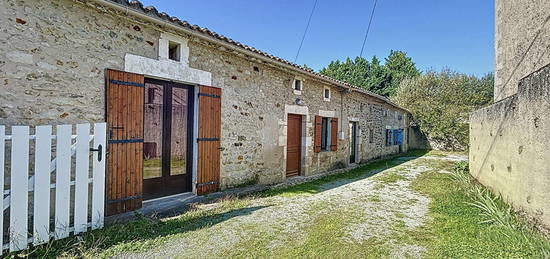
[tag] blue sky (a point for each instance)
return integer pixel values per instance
(456, 34)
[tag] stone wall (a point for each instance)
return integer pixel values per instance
(509, 140)
(417, 139)
(378, 117)
(255, 105)
(509, 146)
(522, 42)
(52, 58)
(53, 55)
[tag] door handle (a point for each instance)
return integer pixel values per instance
(99, 151)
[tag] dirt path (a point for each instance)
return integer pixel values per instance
(368, 216)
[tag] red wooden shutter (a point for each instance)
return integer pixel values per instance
(334, 134)
(124, 112)
(317, 134)
(208, 169)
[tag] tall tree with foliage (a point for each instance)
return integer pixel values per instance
(372, 75)
(441, 102)
(399, 67)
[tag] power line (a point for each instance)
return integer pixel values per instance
(305, 32)
(368, 28)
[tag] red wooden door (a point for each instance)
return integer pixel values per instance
(294, 145)
(208, 169)
(124, 112)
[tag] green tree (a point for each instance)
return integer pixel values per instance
(399, 67)
(441, 102)
(372, 75)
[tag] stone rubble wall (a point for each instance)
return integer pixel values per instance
(53, 54)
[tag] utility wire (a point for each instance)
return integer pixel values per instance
(305, 32)
(368, 28)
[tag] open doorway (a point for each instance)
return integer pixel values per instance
(353, 142)
(168, 133)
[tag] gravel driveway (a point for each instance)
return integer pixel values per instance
(364, 216)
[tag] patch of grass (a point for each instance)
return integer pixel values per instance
(440, 153)
(390, 177)
(410, 202)
(374, 198)
(469, 225)
(400, 215)
(326, 238)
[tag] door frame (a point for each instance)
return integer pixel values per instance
(188, 178)
(354, 123)
(353, 142)
(307, 127)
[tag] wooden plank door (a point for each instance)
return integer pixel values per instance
(208, 166)
(124, 108)
(294, 145)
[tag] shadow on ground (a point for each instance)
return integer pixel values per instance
(139, 230)
(145, 228)
(337, 180)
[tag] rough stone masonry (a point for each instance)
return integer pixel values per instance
(53, 54)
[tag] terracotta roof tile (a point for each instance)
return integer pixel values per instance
(153, 12)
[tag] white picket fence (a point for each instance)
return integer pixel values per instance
(32, 188)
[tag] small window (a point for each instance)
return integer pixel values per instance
(325, 133)
(174, 51)
(298, 85)
(326, 94)
(371, 136)
(389, 137)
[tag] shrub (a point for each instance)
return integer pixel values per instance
(441, 102)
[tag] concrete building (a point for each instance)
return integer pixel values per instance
(509, 139)
(199, 111)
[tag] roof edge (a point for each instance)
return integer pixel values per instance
(151, 14)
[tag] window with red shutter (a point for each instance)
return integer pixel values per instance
(334, 134)
(317, 134)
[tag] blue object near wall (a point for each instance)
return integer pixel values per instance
(398, 136)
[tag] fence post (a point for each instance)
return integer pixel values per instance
(19, 187)
(81, 178)
(62, 181)
(42, 158)
(99, 158)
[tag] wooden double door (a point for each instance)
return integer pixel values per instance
(150, 139)
(168, 138)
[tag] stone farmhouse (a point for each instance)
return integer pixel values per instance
(187, 109)
(509, 139)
